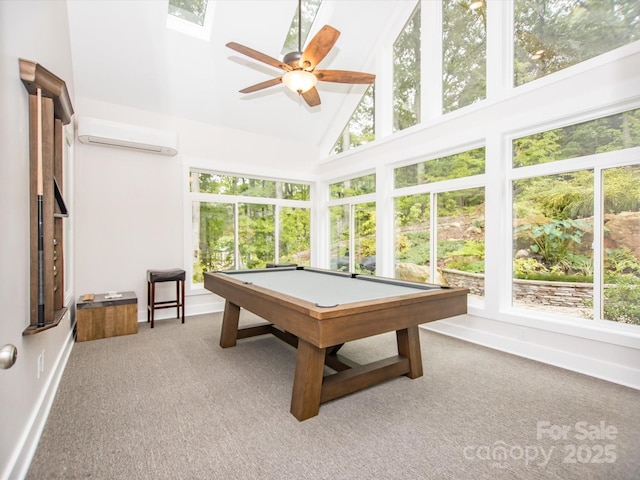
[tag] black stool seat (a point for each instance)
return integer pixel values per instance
(172, 275)
(156, 276)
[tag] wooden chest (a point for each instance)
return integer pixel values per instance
(106, 317)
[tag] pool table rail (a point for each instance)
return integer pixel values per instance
(319, 332)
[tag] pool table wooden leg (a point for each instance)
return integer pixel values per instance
(229, 333)
(408, 341)
(307, 382)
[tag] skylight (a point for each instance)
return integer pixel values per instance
(309, 10)
(190, 10)
(191, 17)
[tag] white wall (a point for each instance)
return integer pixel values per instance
(130, 206)
(37, 31)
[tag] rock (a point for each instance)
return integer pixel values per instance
(624, 230)
(412, 272)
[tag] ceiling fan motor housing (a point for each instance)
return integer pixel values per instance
(293, 59)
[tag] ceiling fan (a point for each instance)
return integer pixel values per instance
(300, 74)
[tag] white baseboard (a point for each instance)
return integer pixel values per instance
(596, 358)
(566, 358)
(192, 308)
(26, 446)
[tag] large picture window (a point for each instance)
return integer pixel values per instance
(352, 225)
(360, 128)
(406, 74)
(439, 232)
(245, 223)
(464, 53)
(577, 230)
(551, 35)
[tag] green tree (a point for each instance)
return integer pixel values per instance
(190, 10)
(360, 128)
(464, 35)
(551, 35)
(406, 74)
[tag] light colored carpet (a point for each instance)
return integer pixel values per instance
(169, 403)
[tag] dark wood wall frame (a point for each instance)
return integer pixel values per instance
(49, 103)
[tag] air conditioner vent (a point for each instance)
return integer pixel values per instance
(94, 131)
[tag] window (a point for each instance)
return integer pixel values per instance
(464, 45)
(455, 254)
(191, 17)
(406, 74)
(621, 245)
(309, 11)
(551, 35)
(460, 165)
(192, 11)
(577, 228)
(352, 225)
(353, 187)
(360, 127)
(607, 134)
(244, 223)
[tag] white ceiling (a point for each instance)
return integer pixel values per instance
(123, 53)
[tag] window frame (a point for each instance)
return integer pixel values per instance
(435, 188)
(191, 197)
(192, 29)
(598, 163)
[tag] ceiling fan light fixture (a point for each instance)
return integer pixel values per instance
(299, 81)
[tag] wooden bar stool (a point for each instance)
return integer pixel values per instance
(156, 276)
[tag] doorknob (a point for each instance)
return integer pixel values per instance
(8, 356)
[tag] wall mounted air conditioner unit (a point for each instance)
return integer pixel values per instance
(95, 131)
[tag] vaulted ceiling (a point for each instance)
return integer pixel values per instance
(123, 53)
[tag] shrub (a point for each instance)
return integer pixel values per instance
(622, 300)
(553, 240)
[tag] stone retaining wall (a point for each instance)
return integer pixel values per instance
(560, 294)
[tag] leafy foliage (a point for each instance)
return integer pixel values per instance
(464, 45)
(607, 134)
(190, 10)
(459, 165)
(413, 247)
(360, 128)
(621, 261)
(622, 300)
(554, 34)
(468, 257)
(406, 74)
(553, 240)
(308, 14)
(353, 187)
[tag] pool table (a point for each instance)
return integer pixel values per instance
(318, 311)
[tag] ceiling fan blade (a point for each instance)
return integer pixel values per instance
(256, 55)
(344, 76)
(312, 97)
(318, 47)
(262, 85)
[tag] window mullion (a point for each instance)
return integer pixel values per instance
(597, 245)
(433, 238)
(276, 235)
(499, 48)
(236, 235)
(352, 243)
